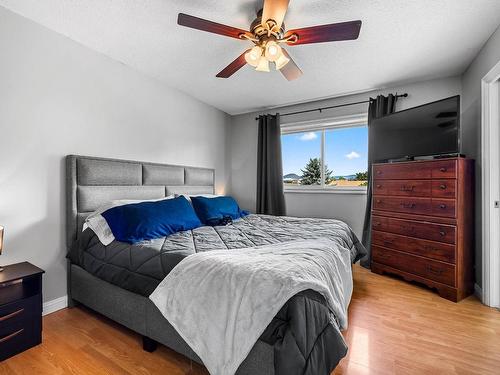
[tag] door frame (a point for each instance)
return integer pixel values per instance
(490, 157)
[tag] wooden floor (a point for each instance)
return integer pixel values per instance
(394, 328)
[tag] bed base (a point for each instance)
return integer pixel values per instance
(139, 314)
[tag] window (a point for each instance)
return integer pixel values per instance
(330, 155)
(346, 156)
(299, 149)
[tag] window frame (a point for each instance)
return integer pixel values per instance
(322, 125)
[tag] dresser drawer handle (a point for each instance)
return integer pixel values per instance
(442, 206)
(407, 188)
(11, 315)
(384, 255)
(442, 233)
(408, 205)
(434, 271)
(379, 172)
(11, 336)
(443, 169)
(388, 242)
(379, 186)
(404, 228)
(377, 224)
(442, 187)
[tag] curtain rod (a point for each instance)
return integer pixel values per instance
(335, 106)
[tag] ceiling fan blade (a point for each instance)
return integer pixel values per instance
(232, 68)
(274, 10)
(209, 26)
(326, 33)
(291, 71)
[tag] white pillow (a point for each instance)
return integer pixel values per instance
(98, 224)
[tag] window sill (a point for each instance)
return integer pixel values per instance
(319, 190)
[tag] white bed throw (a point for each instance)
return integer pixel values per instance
(220, 302)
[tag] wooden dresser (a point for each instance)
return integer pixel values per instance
(423, 223)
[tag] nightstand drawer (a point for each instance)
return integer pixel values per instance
(18, 311)
(18, 337)
(8, 330)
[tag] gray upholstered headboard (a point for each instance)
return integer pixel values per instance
(91, 182)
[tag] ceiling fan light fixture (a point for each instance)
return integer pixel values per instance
(263, 65)
(253, 56)
(268, 33)
(273, 51)
(281, 61)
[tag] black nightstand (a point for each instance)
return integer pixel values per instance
(20, 308)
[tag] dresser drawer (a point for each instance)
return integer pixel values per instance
(415, 170)
(444, 189)
(401, 171)
(443, 207)
(411, 205)
(416, 205)
(424, 230)
(444, 169)
(427, 268)
(408, 188)
(416, 188)
(429, 249)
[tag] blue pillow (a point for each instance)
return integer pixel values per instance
(137, 222)
(213, 210)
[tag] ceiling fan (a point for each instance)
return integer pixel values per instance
(268, 33)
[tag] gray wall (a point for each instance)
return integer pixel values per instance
(487, 58)
(348, 207)
(57, 98)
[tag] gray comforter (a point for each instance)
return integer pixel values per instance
(304, 339)
(220, 301)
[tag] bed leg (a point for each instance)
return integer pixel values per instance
(71, 302)
(148, 344)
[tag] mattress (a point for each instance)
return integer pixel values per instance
(141, 267)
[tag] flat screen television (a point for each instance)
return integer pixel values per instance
(431, 129)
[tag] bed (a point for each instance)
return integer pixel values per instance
(99, 278)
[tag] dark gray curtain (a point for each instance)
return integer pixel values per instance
(270, 197)
(379, 107)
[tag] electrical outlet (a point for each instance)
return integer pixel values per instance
(497, 204)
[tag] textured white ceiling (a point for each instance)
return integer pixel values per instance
(400, 41)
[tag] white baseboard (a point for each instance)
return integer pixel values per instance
(54, 305)
(478, 292)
